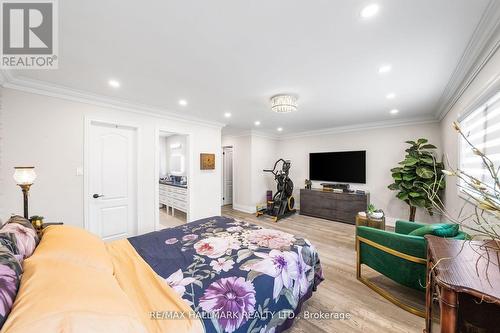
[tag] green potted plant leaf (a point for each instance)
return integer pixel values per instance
(373, 212)
(416, 174)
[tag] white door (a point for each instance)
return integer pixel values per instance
(227, 186)
(112, 184)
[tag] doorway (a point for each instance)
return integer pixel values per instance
(111, 184)
(227, 176)
(173, 172)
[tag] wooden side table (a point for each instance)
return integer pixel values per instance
(369, 222)
(467, 287)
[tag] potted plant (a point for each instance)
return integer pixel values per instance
(416, 174)
(374, 213)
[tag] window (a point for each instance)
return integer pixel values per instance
(482, 128)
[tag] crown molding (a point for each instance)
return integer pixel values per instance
(253, 133)
(484, 43)
(362, 127)
(264, 135)
(57, 91)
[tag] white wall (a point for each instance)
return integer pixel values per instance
(241, 170)
(251, 154)
(384, 149)
(264, 155)
(384, 146)
(48, 133)
(489, 74)
(162, 142)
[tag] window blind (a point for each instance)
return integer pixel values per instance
(482, 128)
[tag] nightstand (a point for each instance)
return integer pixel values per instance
(369, 222)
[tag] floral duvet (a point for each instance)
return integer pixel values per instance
(236, 276)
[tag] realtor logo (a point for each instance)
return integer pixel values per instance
(29, 34)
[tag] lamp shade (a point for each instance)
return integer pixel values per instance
(24, 175)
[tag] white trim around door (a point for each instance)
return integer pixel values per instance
(190, 163)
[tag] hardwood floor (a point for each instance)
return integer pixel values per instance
(341, 291)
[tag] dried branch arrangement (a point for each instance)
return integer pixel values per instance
(480, 213)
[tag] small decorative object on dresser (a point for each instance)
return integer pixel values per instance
(308, 184)
(207, 161)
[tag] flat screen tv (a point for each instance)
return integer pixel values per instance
(342, 167)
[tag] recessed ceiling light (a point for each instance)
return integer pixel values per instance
(279, 129)
(227, 114)
(390, 96)
(256, 123)
(183, 102)
(384, 69)
(114, 83)
(394, 111)
(369, 11)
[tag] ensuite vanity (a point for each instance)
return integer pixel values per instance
(173, 179)
(173, 195)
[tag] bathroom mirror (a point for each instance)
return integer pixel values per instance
(177, 164)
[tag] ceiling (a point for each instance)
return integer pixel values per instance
(233, 55)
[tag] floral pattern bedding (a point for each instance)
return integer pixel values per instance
(236, 276)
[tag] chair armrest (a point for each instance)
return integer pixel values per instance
(411, 245)
(405, 227)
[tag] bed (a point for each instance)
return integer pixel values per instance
(214, 275)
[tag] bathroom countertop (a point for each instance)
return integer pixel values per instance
(173, 184)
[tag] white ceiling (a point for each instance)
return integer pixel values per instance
(233, 55)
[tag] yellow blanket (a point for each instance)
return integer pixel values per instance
(153, 299)
(74, 283)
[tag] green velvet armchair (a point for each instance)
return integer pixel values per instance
(397, 255)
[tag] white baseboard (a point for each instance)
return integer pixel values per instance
(244, 208)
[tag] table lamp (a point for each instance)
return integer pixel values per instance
(24, 177)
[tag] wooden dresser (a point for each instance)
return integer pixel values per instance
(342, 207)
(466, 286)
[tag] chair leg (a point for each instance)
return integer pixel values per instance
(382, 292)
(390, 297)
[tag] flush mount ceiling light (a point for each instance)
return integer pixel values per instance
(227, 114)
(283, 103)
(183, 102)
(369, 11)
(279, 129)
(394, 111)
(114, 83)
(390, 96)
(257, 123)
(384, 69)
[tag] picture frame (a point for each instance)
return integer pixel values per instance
(207, 161)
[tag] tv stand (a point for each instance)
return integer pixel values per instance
(341, 207)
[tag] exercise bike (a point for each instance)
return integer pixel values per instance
(282, 202)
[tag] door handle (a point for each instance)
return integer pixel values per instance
(95, 196)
